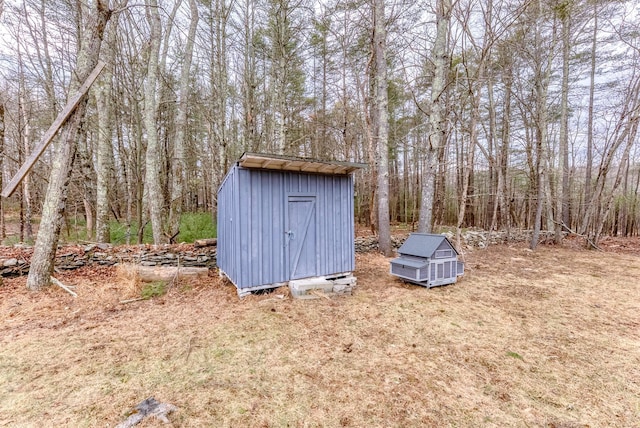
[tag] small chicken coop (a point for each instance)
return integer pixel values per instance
(283, 218)
(427, 259)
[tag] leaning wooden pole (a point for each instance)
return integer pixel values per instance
(51, 132)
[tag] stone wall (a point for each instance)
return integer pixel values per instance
(470, 239)
(73, 257)
(15, 260)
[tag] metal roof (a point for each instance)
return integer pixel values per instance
(291, 163)
(423, 244)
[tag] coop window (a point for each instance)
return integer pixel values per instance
(441, 254)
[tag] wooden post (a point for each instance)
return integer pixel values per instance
(51, 132)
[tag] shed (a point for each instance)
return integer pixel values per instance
(427, 259)
(282, 218)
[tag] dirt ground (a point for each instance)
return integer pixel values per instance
(549, 338)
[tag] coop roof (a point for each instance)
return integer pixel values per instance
(416, 264)
(291, 163)
(423, 244)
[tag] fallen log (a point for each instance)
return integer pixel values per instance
(211, 242)
(169, 273)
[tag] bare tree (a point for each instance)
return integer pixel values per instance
(104, 151)
(382, 127)
(437, 120)
(541, 62)
(3, 230)
(153, 192)
(590, 120)
(178, 164)
(218, 19)
(24, 131)
(249, 79)
(55, 201)
(283, 38)
(624, 133)
(562, 205)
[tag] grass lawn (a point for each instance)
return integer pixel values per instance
(532, 339)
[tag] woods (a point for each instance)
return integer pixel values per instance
(497, 114)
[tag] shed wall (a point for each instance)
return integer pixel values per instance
(252, 224)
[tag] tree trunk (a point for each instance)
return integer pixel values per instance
(624, 201)
(87, 177)
(382, 127)
(541, 129)
(592, 88)
(505, 203)
(467, 167)
(249, 80)
(153, 196)
(281, 40)
(494, 175)
(630, 138)
(178, 165)
(3, 230)
(437, 121)
(25, 134)
(218, 77)
(54, 205)
(562, 207)
(541, 88)
(104, 155)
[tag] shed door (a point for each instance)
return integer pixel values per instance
(301, 236)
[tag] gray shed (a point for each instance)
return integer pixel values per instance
(282, 218)
(427, 259)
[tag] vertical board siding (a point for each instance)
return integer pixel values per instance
(252, 243)
(351, 226)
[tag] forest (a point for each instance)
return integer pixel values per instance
(492, 118)
(498, 114)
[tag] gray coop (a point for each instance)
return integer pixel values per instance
(427, 259)
(282, 218)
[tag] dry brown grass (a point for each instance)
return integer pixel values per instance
(550, 338)
(128, 280)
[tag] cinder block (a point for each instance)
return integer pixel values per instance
(310, 288)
